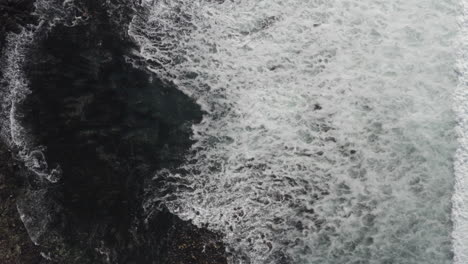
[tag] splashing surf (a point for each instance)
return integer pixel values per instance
(329, 131)
(460, 196)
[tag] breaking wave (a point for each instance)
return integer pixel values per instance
(329, 131)
(460, 196)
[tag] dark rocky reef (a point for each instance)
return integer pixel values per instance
(109, 126)
(15, 245)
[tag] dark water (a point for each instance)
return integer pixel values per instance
(108, 126)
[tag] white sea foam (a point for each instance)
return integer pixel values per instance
(460, 197)
(15, 90)
(329, 131)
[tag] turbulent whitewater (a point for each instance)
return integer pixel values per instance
(329, 131)
(460, 196)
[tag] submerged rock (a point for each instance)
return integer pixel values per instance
(15, 245)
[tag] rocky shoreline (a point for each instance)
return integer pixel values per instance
(110, 127)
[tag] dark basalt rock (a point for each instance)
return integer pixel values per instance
(110, 127)
(15, 245)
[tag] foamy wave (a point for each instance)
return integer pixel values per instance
(460, 197)
(329, 134)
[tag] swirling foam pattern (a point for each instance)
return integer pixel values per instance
(329, 134)
(14, 88)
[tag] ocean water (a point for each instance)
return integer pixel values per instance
(330, 126)
(334, 130)
(15, 86)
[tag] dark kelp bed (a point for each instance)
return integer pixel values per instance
(109, 126)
